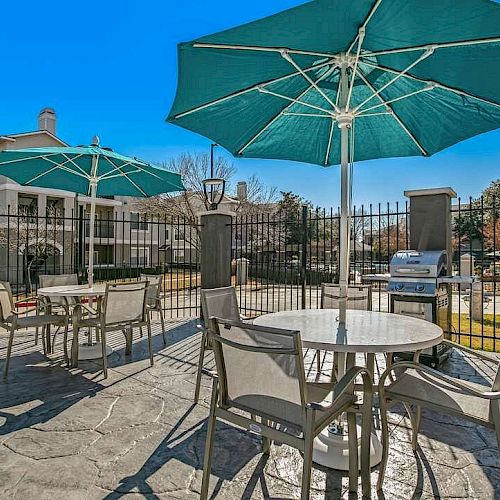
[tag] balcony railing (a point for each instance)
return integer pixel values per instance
(101, 229)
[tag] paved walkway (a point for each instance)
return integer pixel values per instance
(72, 435)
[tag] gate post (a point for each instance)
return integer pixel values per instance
(303, 257)
(215, 259)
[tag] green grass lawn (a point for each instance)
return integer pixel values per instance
(490, 327)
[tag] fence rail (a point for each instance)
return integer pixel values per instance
(291, 252)
(125, 248)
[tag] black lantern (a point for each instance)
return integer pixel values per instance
(213, 188)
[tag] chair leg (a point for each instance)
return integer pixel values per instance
(209, 444)
(200, 367)
(44, 343)
(150, 344)
(162, 321)
(65, 341)
(308, 451)
(353, 452)
(416, 427)
(36, 335)
(75, 346)
(141, 332)
(385, 441)
(266, 442)
(104, 355)
(9, 351)
(366, 436)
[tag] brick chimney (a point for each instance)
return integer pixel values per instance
(47, 120)
(241, 191)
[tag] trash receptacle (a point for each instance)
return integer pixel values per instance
(476, 301)
(242, 271)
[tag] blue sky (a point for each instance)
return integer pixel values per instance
(109, 67)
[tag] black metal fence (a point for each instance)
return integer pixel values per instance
(126, 246)
(281, 259)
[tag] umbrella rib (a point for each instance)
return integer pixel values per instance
(423, 56)
(257, 48)
(437, 84)
(289, 59)
(329, 145)
(36, 157)
(251, 89)
(296, 100)
(107, 175)
(363, 115)
(365, 23)
(360, 37)
(71, 160)
(315, 115)
(396, 99)
(262, 130)
(443, 45)
(394, 114)
(55, 167)
(128, 178)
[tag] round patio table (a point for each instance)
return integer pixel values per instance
(87, 350)
(365, 332)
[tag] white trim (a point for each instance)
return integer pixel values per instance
(37, 132)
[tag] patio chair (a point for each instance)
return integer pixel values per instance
(261, 386)
(153, 299)
(13, 321)
(220, 303)
(424, 387)
(123, 308)
(359, 297)
(57, 305)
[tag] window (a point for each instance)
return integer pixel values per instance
(27, 207)
(136, 223)
(178, 255)
(55, 210)
(167, 235)
(139, 257)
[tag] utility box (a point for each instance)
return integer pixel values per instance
(242, 271)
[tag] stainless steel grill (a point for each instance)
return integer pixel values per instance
(418, 288)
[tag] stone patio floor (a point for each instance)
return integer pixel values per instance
(71, 434)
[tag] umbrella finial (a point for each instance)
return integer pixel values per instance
(95, 140)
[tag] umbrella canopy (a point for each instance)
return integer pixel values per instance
(90, 170)
(337, 81)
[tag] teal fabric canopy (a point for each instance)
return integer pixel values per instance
(424, 75)
(90, 170)
(71, 169)
(337, 81)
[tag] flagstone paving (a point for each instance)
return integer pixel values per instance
(71, 434)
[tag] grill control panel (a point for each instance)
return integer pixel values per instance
(412, 288)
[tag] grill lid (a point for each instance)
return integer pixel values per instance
(414, 264)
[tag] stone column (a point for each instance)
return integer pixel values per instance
(430, 220)
(215, 260)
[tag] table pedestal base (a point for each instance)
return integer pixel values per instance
(332, 450)
(94, 351)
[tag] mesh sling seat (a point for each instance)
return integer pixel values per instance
(220, 303)
(359, 297)
(424, 387)
(12, 321)
(261, 386)
(123, 308)
(57, 305)
(153, 299)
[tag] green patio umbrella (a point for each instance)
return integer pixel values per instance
(90, 170)
(335, 81)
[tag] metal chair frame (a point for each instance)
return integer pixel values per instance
(223, 408)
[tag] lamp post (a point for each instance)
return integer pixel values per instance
(215, 194)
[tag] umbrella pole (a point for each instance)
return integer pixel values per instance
(344, 121)
(93, 196)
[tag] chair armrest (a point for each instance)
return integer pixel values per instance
(478, 354)
(86, 307)
(344, 384)
(459, 384)
(247, 318)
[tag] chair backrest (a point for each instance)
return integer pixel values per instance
(220, 303)
(6, 300)
(46, 280)
(260, 370)
(154, 284)
(358, 296)
(125, 303)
